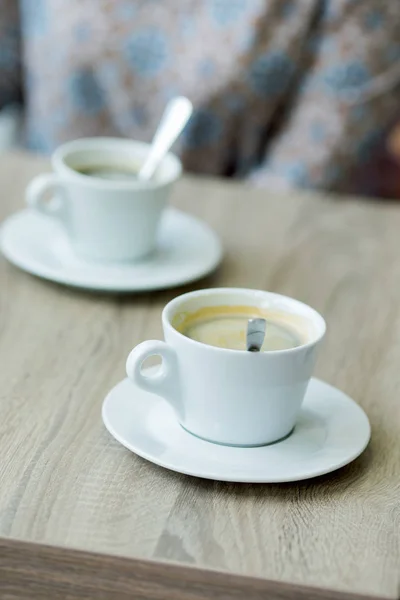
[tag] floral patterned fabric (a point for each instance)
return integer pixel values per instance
(286, 92)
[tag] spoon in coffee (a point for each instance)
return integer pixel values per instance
(173, 121)
(255, 334)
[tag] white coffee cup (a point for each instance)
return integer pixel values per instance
(228, 396)
(111, 220)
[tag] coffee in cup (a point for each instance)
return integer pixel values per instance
(109, 171)
(226, 327)
(226, 394)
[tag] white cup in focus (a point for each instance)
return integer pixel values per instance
(230, 396)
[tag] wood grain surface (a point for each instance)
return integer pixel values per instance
(40, 572)
(65, 481)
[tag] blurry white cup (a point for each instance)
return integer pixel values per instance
(105, 219)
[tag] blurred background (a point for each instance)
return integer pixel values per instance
(287, 93)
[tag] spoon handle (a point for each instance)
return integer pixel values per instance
(174, 119)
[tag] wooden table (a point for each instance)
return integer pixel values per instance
(66, 483)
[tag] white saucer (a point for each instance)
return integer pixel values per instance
(187, 250)
(331, 432)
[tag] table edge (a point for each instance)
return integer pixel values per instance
(38, 571)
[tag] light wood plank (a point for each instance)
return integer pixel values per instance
(65, 482)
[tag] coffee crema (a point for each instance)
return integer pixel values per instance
(114, 172)
(226, 327)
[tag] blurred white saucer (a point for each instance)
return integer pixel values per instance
(187, 250)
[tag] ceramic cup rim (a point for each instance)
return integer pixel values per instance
(171, 163)
(172, 308)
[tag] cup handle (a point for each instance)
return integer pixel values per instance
(165, 382)
(35, 195)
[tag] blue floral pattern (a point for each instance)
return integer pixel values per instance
(147, 52)
(348, 77)
(317, 132)
(83, 32)
(226, 12)
(271, 74)
(203, 129)
(206, 67)
(286, 92)
(287, 8)
(296, 173)
(86, 93)
(34, 16)
(374, 19)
